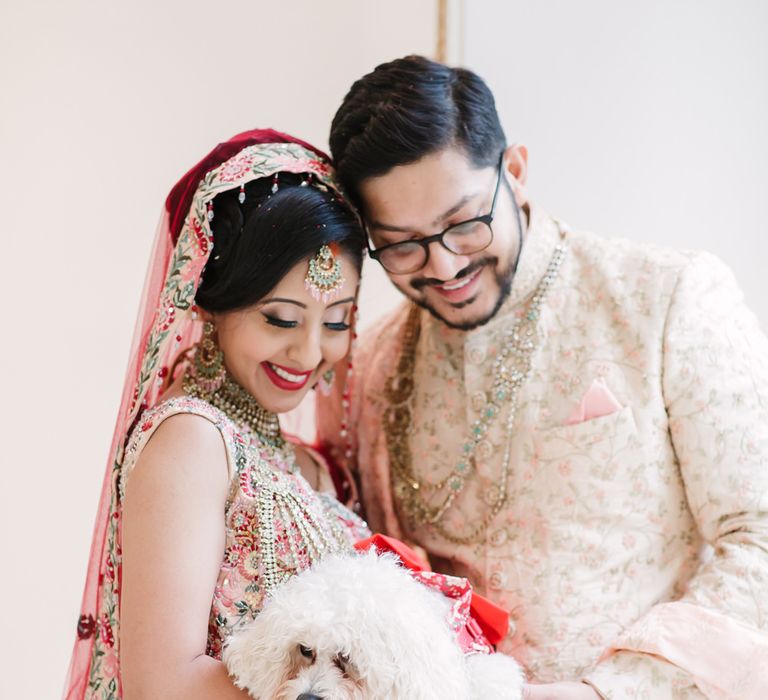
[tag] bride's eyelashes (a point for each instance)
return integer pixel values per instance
(281, 323)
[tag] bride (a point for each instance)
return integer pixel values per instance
(206, 506)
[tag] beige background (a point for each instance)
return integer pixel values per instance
(643, 119)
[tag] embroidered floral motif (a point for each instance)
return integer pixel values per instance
(236, 168)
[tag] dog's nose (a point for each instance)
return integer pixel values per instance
(308, 696)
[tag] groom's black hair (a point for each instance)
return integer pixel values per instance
(407, 109)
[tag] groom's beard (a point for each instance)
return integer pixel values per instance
(502, 279)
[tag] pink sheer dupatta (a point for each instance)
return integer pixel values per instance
(77, 676)
(166, 327)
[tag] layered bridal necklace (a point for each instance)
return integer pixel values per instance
(275, 493)
(425, 503)
(238, 405)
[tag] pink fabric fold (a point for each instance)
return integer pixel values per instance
(728, 660)
(597, 402)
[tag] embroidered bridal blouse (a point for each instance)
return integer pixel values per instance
(275, 527)
(632, 547)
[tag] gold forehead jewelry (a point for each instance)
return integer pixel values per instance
(324, 278)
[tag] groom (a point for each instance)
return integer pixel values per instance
(579, 425)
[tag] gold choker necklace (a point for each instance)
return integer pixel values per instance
(238, 405)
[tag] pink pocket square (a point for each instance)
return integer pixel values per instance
(597, 402)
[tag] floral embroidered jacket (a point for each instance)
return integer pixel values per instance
(632, 549)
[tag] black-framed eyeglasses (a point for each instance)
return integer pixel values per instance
(464, 238)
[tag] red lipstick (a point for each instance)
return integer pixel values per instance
(283, 382)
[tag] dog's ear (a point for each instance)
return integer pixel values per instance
(257, 661)
(414, 664)
(406, 649)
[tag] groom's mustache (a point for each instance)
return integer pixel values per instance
(422, 282)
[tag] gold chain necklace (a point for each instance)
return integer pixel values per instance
(511, 368)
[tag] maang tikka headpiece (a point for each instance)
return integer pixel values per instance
(324, 278)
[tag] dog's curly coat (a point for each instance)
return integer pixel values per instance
(360, 627)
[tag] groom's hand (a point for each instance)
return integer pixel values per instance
(560, 691)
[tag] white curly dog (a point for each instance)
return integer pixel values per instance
(361, 628)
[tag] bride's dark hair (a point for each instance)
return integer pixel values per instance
(257, 242)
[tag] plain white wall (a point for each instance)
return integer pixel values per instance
(103, 106)
(645, 120)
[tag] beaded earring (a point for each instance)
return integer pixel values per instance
(326, 381)
(209, 361)
(345, 433)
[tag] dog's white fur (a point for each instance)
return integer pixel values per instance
(374, 633)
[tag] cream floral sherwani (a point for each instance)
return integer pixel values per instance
(632, 550)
